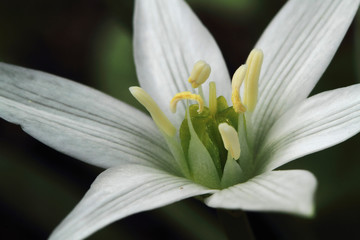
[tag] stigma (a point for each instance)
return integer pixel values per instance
(188, 96)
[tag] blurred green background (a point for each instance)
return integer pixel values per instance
(90, 41)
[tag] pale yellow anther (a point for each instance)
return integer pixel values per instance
(254, 63)
(199, 74)
(157, 115)
(237, 80)
(230, 139)
(189, 96)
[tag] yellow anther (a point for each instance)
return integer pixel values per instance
(237, 80)
(230, 139)
(254, 63)
(212, 98)
(157, 115)
(199, 74)
(186, 95)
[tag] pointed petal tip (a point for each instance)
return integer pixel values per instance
(299, 44)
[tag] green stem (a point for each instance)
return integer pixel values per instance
(236, 224)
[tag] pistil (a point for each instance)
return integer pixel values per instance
(212, 98)
(189, 96)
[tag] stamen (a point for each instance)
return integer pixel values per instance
(237, 80)
(254, 63)
(157, 115)
(186, 95)
(199, 74)
(212, 98)
(230, 139)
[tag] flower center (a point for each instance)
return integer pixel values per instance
(211, 146)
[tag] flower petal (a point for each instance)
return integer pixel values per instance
(122, 191)
(168, 40)
(317, 123)
(298, 45)
(79, 121)
(283, 191)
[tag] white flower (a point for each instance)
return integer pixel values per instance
(142, 173)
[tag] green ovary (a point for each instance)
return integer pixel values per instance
(206, 125)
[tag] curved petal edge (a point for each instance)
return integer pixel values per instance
(290, 191)
(122, 191)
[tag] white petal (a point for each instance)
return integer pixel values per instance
(298, 45)
(79, 121)
(282, 191)
(122, 191)
(168, 40)
(319, 122)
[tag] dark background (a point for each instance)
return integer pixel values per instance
(89, 41)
